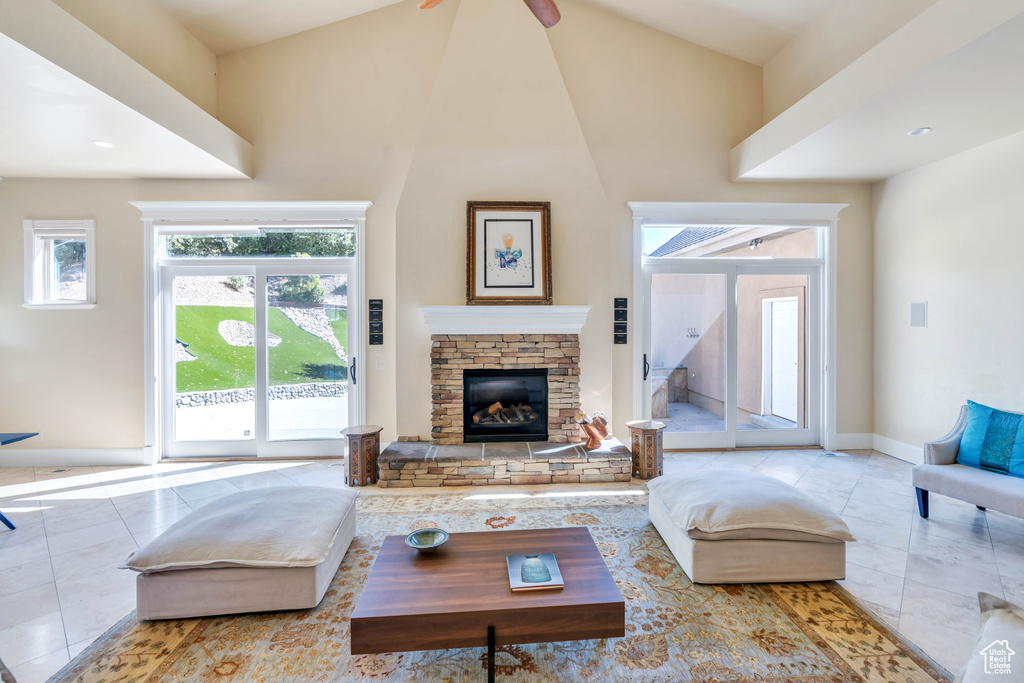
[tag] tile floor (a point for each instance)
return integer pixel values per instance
(60, 588)
(686, 417)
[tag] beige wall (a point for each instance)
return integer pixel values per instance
(500, 125)
(74, 375)
(949, 234)
(147, 33)
(420, 112)
(838, 37)
(664, 134)
(352, 140)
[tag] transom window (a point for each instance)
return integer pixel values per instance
(261, 242)
(728, 241)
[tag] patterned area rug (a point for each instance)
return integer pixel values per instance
(675, 630)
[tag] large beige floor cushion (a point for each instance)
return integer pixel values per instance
(732, 526)
(254, 551)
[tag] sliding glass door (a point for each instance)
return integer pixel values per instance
(731, 337)
(256, 342)
(258, 360)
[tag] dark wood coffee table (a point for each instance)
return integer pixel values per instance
(459, 596)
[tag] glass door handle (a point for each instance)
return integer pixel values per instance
(647, 367)
(352, 370)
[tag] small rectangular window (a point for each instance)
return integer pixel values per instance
(727, 241)
(59, 264)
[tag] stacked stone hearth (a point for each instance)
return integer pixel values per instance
(451, 354)
(409, 464)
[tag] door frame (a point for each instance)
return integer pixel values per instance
(160, 218)
(820, 311)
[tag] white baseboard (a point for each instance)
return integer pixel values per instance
(898, 449)
(854, 442)
(64, 457)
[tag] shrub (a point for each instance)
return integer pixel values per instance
(236, 282)
(305, 289)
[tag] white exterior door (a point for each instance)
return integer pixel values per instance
(784, 358)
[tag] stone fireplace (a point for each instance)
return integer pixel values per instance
(515, 350)
(538, 340)
(451, 355)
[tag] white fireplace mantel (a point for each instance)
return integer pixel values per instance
(505, 319)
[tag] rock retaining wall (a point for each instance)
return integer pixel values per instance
(197, 399)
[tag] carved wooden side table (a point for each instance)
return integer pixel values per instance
(648, 454)
(363, 449)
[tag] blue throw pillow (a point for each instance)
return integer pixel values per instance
(993, 440)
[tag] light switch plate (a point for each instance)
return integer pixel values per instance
(919, 314)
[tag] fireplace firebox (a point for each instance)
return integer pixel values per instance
(505, 405)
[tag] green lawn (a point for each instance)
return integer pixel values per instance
(300, 357)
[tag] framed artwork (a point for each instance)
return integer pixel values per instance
(508, 256)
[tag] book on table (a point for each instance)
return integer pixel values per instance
(537, 572)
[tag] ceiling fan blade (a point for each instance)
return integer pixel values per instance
(427, 4)
(545, 11)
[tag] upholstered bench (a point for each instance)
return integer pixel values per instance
(732, 526)
(971, 465)
(254, 551)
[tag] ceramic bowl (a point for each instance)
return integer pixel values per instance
(426, 540)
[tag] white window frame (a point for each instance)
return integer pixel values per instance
(211, 217)
(824, 217)
(39, 236)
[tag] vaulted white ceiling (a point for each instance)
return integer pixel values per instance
(66, 86)
(956, 66)
(751, 30)
(49, 132)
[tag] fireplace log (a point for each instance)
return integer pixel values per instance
(499, 414)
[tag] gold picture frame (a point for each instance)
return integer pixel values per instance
(508, 253)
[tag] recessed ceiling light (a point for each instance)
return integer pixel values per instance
(920, 131)
(102, 143)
